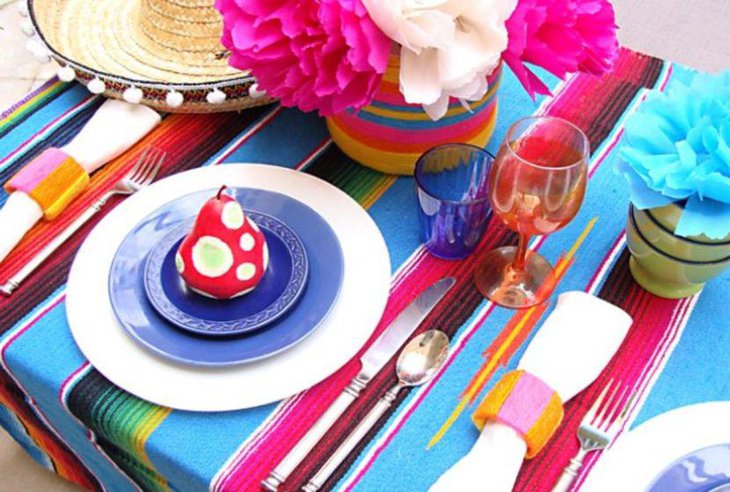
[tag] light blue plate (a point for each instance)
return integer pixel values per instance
(144, 324)
(705, 470)
(279, 289)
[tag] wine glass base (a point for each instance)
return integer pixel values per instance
(500, 283)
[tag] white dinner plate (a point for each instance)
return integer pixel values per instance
(637, 458)
(356, 313)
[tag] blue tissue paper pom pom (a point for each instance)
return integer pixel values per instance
(676, 148)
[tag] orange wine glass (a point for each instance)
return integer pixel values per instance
(536, 186)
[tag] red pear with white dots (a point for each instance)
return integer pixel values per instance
(225, 255)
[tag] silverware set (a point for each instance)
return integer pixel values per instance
(419, 361)
(417, 364)
(140, 176)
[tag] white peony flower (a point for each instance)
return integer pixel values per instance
(448, 47)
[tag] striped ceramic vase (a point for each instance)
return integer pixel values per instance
(389, 134)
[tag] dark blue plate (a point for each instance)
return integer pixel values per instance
(279, 289)
(141, 320)
(704, 470)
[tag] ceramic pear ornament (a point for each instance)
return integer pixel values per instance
(225, 254)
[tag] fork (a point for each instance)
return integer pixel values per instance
(597, 429)
(141, 175)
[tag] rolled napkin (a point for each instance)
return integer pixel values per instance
(572, 348)
(47, 184)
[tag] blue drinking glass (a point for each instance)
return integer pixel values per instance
(453, 199)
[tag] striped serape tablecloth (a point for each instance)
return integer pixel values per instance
(75, 422)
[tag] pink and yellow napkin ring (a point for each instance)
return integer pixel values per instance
(53, 180)
(525, 403)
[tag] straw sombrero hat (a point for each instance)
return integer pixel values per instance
(163, 53)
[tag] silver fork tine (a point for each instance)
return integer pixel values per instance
(149, 160)
(159, 154)
(627, 407)
(622, 414)
(591, 415)
(140, 161)
(604, 414)
(158, 164)
(153, 172)
(617, 404)
(160, 158)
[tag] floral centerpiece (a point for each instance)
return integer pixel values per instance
(676, 160)
(395, 77)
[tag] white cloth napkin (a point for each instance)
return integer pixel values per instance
(573, 346)
(114, 128)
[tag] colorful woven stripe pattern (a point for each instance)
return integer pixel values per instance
(74, 421)
(389, 134)
(525, 403)
(53, 180)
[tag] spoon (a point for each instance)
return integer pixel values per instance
(417, 364)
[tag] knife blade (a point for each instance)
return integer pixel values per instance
(373, 360)
(402, 327)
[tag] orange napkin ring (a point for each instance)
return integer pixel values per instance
(525, 403)
(53, 180)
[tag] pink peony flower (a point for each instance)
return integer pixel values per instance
(326, 55)
(562, 36)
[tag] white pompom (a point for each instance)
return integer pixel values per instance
(23, 7)
(254, 92)
(96, 86)
(216, 97)
(174, 99)
(27, 27)
(66, 74)
(133, 95)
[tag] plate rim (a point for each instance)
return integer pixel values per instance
(636, 459)
(358, 233)
(231, 332)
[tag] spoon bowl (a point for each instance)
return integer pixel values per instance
(421, 358)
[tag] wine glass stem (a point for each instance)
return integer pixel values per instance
(518, 264)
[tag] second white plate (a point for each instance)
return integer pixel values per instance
(358, 309)
(637, 458)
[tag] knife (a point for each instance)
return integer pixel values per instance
(373, 360)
